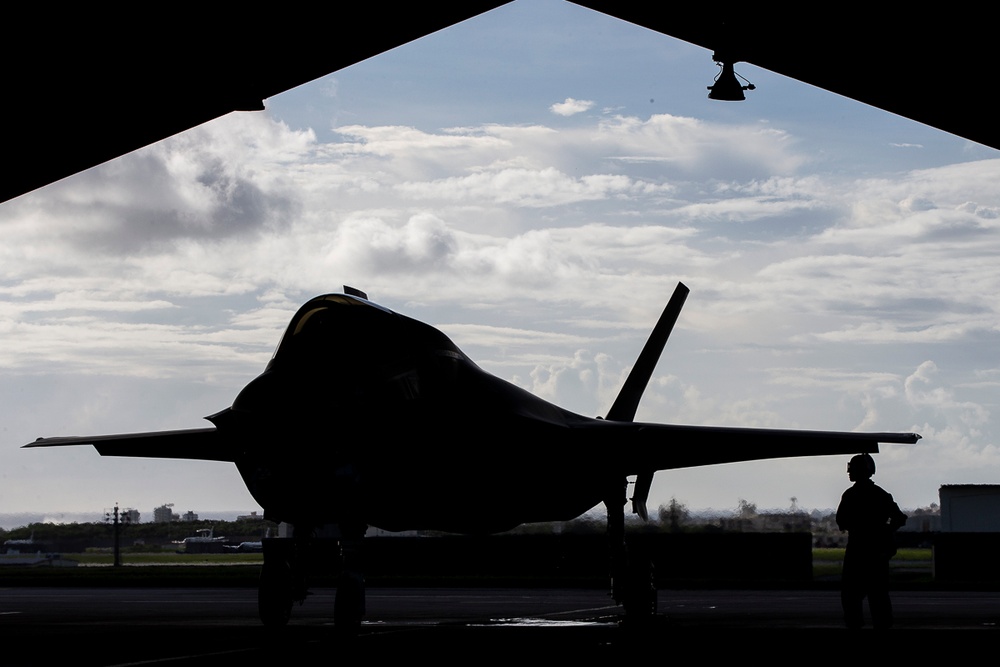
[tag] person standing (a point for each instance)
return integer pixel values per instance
(870, 516)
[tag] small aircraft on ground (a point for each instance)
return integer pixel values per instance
(367, 417)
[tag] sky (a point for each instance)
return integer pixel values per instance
(534, 182)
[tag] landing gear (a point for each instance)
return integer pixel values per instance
(632, 582)
(287, 560)
(281, 582)
(274, 594)
(618, 554)
(311, 548)
(349, 607)
(640, 586)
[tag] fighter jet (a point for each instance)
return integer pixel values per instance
(365, 417)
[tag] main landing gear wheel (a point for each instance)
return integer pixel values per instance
(349, 607)
(275, 594)
(640, 589)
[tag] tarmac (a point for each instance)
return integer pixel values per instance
(201, 626)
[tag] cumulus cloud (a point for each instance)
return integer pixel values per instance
(422, 243)
(922, 392)
(547, 252)
(571, 107)
(246, 204)
(216, 181)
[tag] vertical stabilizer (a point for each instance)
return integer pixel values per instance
(627, 402)
(624, 407)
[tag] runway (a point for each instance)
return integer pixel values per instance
(194, 626)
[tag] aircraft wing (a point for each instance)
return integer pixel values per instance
(203, 444)
(669, 446)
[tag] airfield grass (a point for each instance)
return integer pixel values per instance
(104, 557)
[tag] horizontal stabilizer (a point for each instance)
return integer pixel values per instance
(203, 444)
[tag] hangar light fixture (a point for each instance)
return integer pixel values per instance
(727, 87)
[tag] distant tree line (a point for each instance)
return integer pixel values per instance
(674, 517)
(60, 535)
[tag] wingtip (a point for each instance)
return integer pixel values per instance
(40, 442)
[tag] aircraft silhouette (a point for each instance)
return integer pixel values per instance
(367, 417)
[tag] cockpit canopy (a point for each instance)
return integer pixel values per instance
(344, 330)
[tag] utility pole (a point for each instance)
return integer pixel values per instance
(115, 520)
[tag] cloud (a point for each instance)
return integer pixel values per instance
(546, 252)
(422, 243)
(571, 107)
(702, 149)
(246, 205)
(523, 187)
(399, 141)
(214, 182)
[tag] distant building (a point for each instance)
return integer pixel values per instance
(163, 514)
(27, 546)
(923, 520)
(190, 516)
(970, 508)
(130, 515)
(253, 516)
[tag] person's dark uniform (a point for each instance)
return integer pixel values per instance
(870, 516)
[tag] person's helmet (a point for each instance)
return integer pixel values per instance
(862, 465)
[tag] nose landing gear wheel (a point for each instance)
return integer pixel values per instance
(349, 607)
(275, 594)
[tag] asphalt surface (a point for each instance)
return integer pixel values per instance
(201, 626)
